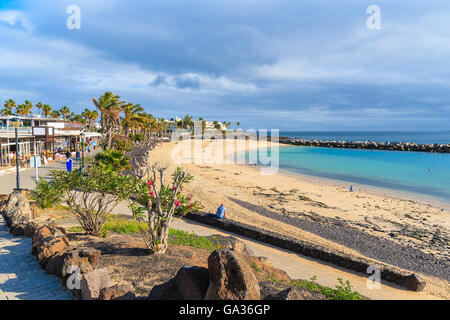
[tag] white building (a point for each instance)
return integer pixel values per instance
(50, 134)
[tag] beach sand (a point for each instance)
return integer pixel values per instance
(321, 211)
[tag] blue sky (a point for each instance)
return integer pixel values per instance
(287, 64)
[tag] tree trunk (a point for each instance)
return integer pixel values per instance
(163, 239)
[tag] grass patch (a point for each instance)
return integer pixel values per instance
(342, 291)
(122, 225)
(116, 224)
(176, 237)
(273, 278)
(183, 238)
(255, 267)
(77, 229)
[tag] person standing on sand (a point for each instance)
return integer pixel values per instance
(351, 188)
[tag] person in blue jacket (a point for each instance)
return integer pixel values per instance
(221, 212)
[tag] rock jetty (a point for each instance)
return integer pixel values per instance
(395, 146)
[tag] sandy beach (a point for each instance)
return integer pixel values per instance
(383, 225)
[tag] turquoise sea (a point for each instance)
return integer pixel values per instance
(417, 172)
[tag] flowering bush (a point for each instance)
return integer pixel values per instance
(161, 204)
(92, 196)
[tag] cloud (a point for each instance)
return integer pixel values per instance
(160, 80)
(254, 61)
(187, 82)
(15, 19)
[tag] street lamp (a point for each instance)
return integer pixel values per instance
(16, 123)
(82, 151)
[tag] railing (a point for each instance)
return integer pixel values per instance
(11, 129)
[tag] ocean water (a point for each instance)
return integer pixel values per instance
(378, 136)
(426, 174)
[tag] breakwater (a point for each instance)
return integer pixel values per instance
(395, 146)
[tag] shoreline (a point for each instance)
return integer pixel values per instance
(398, 194)
(377, 190)
(401, 232)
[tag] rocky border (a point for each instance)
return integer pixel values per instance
(51, 246)
(406, 279)
(393, 146)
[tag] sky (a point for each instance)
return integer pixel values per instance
(280, 64)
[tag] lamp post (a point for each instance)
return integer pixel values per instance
(16, 123)
(82, 151)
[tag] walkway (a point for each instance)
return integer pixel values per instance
(28, 177)
(21, 277)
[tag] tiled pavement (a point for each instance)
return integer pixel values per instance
(21, 277)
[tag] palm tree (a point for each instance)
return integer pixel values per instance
(110, 108)
(46, 110)
(39, 106)
(55, 114)
(187, 122)
(64, 111)
(22, 110)
(86, 114)
(28, 106)
(9, 106)
(203, 124)
(130, 111)
(238, 124)
(77, 118)
(146, 123)
(92, 118)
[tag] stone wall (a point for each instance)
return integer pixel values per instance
(406, 279)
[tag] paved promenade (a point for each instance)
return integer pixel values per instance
(21, 277)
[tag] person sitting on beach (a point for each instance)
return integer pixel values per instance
(220, 214)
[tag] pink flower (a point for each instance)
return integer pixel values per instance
(152, 194)
(149, 183)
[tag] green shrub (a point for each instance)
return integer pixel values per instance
(92, 196)
(46, 194)
(112, 160)
(342, 291)
(122, 143)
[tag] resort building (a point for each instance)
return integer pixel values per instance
(37, 135)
